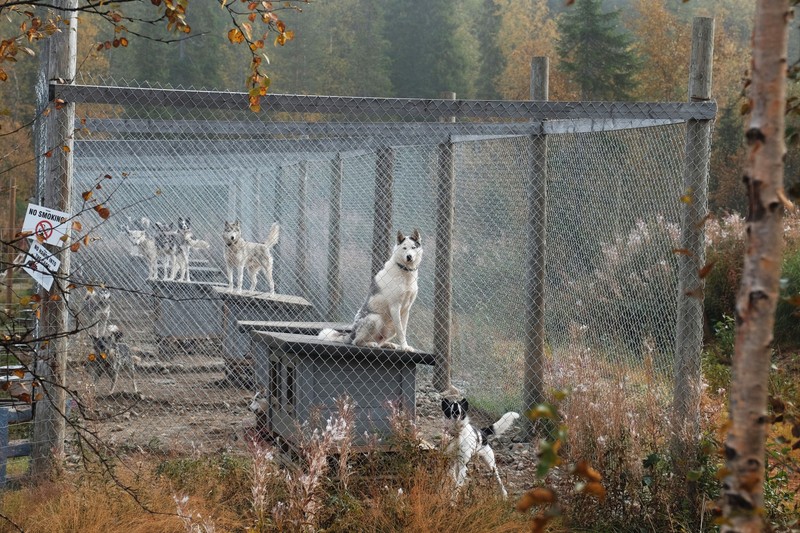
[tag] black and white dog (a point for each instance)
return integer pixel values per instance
(469, 440)
(384, 315)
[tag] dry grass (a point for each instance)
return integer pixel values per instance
(619, 420)
(402, 491)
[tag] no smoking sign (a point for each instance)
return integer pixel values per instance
(50, 224)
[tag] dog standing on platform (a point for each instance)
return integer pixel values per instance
(469, 440)
(253, 256)
(393, 290)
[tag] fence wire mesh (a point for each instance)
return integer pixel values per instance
(341, 180)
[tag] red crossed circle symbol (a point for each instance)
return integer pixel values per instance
(44, 228)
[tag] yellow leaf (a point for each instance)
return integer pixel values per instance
(235, 36)
(3, 75)
(86, 195)
(76, 225)
(66, 149)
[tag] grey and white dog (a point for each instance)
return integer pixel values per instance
(187, 243)
(255, 257)
(111, 357)
(393, 290)
(96, 310)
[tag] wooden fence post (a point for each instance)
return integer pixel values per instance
(302, 230)
(49, 428)
(443, 270)
(383, 206)
(335, 241)
(536, 231)
(279, 276)
(689, 323)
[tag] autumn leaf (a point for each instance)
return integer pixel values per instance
(76, 225)
(75, 246)
(86, 195)
(593, 488)
(703, 272)
(235, 36)
(584, 470)
(3, 75)
(535, 496)
(104, 213)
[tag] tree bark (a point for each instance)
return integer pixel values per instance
(743, 487)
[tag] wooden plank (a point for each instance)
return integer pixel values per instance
(416, 108)
(308, 132)
(308, 344)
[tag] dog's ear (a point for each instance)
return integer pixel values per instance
(400, 237)
(415, 236)
(464, 404)
(446, 404)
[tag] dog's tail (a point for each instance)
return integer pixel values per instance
(274, 233)
(502, 425)
(330, 334)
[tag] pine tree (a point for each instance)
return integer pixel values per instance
(594, 54)
(432, 47)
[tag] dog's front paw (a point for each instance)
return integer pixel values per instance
(390, 345)
(407, 348)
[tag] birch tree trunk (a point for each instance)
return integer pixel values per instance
(743, 487)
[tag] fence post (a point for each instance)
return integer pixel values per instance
(49, 428)
(689, 325)
(302, 230)
(10, 253)
(443, 270)
(280, 215)
(335, 242)
(383, 205)
(536, 227)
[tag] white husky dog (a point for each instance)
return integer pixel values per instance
(393, 290)
(254, 256)
(147, 247)
(469, 440)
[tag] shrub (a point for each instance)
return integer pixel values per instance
(725, 249)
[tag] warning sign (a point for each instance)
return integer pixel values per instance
(41, 264)
(51, 224)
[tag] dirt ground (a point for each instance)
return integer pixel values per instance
(186, 407)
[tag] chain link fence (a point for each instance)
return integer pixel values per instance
(341, 177)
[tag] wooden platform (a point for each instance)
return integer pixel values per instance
(185, 311)
(252, 306)
(303, 376)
